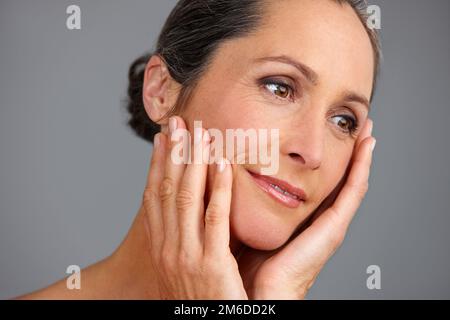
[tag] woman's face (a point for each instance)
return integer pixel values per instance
(306, 72)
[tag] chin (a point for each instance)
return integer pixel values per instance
(255, 219)
(258, 229)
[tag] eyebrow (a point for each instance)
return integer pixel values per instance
(309, 73)
(350, 96)
(312, 77)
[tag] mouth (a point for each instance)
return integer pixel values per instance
(280, 190)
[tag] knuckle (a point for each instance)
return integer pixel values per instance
(153, 161)
(166, 262)
(186, 262)
(166, 189)
(168, 257)
(150, 194)
(213, 215)
(362, 190)
(155, 255)
(185, 199)
(212, 266)
(338, 237)
(222, 189)
(336, 231)
(183, 257)
(149, 198)
(366, 186)
(304, 287)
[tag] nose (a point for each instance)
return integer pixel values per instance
(303, 142)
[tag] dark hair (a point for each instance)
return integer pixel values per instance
(188, 41)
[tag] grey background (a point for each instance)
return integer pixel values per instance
(72, 173)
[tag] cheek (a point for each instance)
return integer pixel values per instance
(332, 171)
(227, 111)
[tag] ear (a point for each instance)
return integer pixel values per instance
(159, 91)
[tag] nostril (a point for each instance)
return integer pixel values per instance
(296, 157)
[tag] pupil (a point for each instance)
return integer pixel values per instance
(282, 90)
(344, 123)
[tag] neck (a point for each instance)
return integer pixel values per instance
(132, 266)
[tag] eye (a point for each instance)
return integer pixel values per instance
(278, 88)
(346, 123)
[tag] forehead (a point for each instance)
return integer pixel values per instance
(324, 35)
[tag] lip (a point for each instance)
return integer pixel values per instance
(266, 182)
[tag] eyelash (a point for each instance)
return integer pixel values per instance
(293, 93)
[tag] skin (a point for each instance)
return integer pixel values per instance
(247, 245)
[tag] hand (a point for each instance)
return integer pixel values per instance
(190, 247)
(290, 271)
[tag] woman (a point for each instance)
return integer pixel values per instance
(304, 67)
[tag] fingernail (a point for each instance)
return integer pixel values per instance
(172, 124)
(156, 141)
(197, 136)
(373, 144)
(221, 165)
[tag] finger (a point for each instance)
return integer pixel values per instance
(173, 172)
(151, 201)
(190, 199)
(365, 133)
(356, 186)
(217, 215)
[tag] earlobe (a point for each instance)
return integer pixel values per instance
(155, 90)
